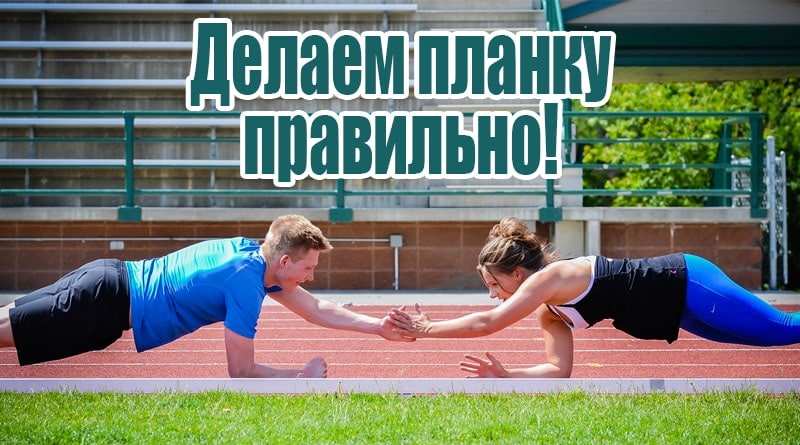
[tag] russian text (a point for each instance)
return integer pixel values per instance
(522, 65)
(291, 65)
(290, 146)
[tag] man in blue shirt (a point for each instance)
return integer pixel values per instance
(164, 298)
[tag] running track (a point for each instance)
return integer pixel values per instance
(284, 340)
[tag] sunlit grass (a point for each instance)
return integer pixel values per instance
(228, 417)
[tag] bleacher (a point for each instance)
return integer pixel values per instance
(177, 11)
(119, 56)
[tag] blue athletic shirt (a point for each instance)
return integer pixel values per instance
(208, 282)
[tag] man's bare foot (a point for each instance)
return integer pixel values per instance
(315, 368)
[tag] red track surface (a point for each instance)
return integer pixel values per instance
(286, 341)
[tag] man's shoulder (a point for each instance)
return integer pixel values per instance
(237, 243)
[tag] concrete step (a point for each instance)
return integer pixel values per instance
(426, 5)
(488, 19)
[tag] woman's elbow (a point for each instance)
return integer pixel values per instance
(485, 326)
(561, 370)
(563, 373)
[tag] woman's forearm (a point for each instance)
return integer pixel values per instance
(545, 370)
(468, 326)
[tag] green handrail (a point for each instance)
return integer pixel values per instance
(129, 163)
(552, 10)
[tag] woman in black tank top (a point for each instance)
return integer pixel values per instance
(648, 298)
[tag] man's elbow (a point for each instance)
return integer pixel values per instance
(236, 374)
(239, 372)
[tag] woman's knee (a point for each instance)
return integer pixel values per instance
(6, 335)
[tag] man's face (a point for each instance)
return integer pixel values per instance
(294, 272)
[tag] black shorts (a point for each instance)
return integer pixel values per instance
(85, 310)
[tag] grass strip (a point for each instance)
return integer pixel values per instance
(744, 417)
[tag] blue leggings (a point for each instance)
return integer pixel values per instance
(720, 310)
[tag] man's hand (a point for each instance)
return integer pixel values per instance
(315, 368)
(389, 332)
(479, 367)
(408, 324)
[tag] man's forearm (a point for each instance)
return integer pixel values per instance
(333, 316)
(263, 371)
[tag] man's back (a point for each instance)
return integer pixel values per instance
(208, 282)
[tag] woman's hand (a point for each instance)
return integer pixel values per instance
(409, 324)
(479, 367)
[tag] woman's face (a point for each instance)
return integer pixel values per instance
(500, 285)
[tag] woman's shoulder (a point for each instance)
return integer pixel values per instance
(571, 268)
(577, 261)
(570, 276)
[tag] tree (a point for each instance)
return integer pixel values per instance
(778, 99)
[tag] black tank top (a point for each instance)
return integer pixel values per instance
(644, 297)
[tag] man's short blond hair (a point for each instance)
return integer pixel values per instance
(293, 234)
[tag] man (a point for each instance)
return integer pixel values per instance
(164, 298)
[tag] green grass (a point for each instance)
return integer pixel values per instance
(745, 417)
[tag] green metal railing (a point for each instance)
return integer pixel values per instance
(752, 125)
(552, 12)
(129, 163)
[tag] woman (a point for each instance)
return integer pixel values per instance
(649, 298)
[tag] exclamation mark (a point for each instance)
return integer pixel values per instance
(553, 131)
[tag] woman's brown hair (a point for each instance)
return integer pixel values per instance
(511, 244)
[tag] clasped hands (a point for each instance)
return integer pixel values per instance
(418, 325)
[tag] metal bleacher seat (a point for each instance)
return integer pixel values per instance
(198, 9)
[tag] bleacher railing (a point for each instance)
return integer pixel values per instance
(19, 128)
(552, 11)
